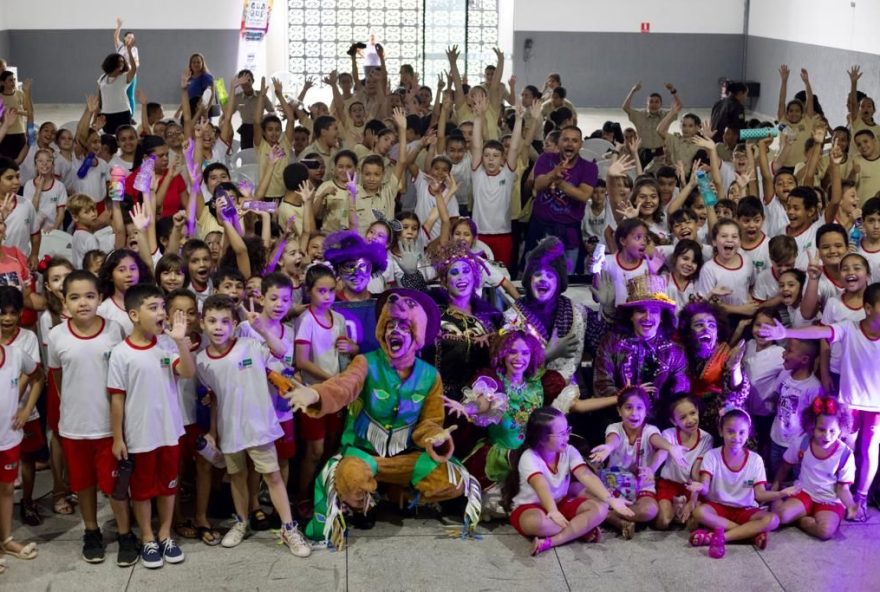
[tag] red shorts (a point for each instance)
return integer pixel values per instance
(187, 441)
(33, 440)
(568, 507)
(53, 404)
(812, 506)
(312, 429)
(502, 247)
(9, 464)
(666, 490)
(732, 513)
(285, 446)
(90, 463)
(154, 473)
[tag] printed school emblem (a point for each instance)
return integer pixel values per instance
(245, 363)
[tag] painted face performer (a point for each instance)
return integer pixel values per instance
(640, 350)
(556, 321)
(394, 430)
(356, 261)
(714, 367)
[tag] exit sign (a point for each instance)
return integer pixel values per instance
(646, 27)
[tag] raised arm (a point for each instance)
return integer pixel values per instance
(516, 140)
(117, 39)
(808, 90)
(258, 112)
(496, 87)
(400, 165)
(289, 115)
(479, 109)
(764, 167)
(783, 91)
(834, 161)
(82, 128)
(852, 100)
(452, 55)
(627, 102)
(663, 126)
(132, 63)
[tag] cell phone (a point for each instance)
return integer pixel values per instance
(311, 164)
(598, 259)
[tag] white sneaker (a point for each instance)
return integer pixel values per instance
(295, 541)
(236, 534)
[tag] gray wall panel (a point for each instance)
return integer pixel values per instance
(827, 66)
(4, 45)
(65, 65)
(598, 69)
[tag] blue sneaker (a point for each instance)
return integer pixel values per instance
(170, 551)
(151, 555)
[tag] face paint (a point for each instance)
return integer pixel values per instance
(356, 274)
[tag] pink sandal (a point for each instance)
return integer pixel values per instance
(761, 539)
(540, 545)
(700, 538)
(594, 536)
(716, 547)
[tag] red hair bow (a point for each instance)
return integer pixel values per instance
(43, 264)
(827, 406)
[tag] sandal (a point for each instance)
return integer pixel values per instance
(761, 539)
(186, 529)
(700, 538)
(29, 513)
(716, 547)
(594, 536)
(27, 552)
(62, 505)
(628, 530)
(540, 545)
(862, 511)
(208, 535)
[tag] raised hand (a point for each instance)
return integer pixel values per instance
(805, 76)
(277, 86)
(784, 72)
(814, 267)
(399, 117)
(481, 104)
(263, 88)
(441, 438)
(141, 97)
(178, 326)
(184, 79)
(455, 408)
(854, 73)
(309, 83)
(276, 154)
(836, 155)
(637, 87)
(140, 217)
(628, 211)
(621, 166)
(452, 54)
(352, 184)
(819, 134)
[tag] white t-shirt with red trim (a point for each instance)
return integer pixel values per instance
(859, 386)
(792, 397)
(738, 279)
(50, 200)
(113, 312)
(629, 456)
(827, 289)
(425, 202)
(27, 341)
(245, 413)
(620, 274)
(282, 406)
(14, 362)
(673, 471)
(558, 479)
(733, 486)
(321, 335)
(21, 224)
(83, 361)
(681, 294)
(759, 255)
(820, 475)
(145, 375)
(83, 241)
(492, 195)
(837, 311)
(766, 285)
(763, 368)
(806, 241)
(873, 258)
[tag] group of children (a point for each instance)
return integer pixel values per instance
(161, 348)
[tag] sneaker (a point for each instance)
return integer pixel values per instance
(171, 552)
(295, 540)
(93, 546)
(151, 555)
(236, 534)
(29, 514)
(129, 550)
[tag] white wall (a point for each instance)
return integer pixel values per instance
(626, 16)
(137, 14)
(841, 24)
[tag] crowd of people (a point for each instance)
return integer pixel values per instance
(383, 312)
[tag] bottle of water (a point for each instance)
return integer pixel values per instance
(759, 133)
(210, 452)
(222, 93)
(855, 234)
(710, 198)
(144, 178)
(117, 183)
(256, 205)
(87, 163)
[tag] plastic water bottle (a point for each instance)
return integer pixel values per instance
(256, 205)
(117, 183)
(855, 234)
(88, 162)
(144, 178)
(222, 93)
(710, 198)
(759, 133)
(210, 453)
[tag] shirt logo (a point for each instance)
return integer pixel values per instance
(165, 362)
(245, 363)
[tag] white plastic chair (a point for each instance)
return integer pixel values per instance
(244, 157)
(250, 171)
(590, 155)
(56, 243)
(70, 126)
(597, 145)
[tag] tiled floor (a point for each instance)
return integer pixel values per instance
(415, 554)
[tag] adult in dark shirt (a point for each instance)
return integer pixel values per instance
(730, 111)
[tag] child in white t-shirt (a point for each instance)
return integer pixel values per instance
(322, 346)
(636, 447)
(145, 414)
(733, 484)
(730, 269)
(12, 335)
(243, 420)
(79, 350)
(827, 469)
(544, 497)
(762, 363)
(439, 185)
(797, 386)
(855, 273)
(46, 193)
